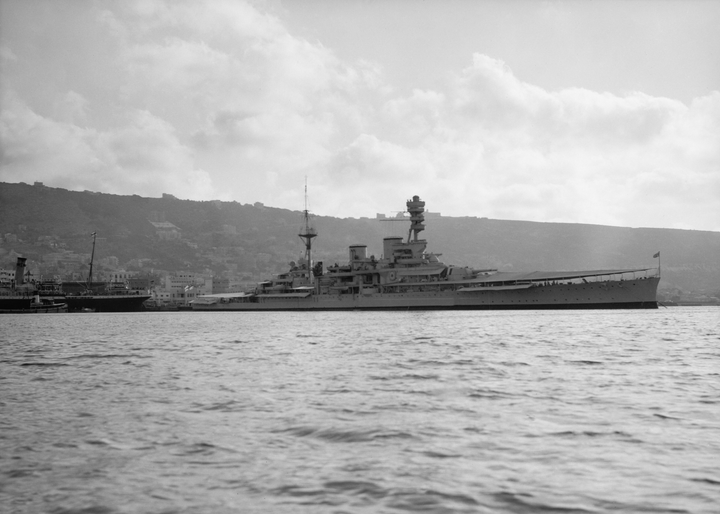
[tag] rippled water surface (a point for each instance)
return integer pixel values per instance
(442, 412)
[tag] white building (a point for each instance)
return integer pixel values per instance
(7, 277)
(182, 287)
(166, 231)
(120, 275)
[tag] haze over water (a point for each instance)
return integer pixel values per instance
(388, 412)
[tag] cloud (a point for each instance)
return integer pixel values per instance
(568, 155)
(220, 100)
(142, 154)
(254, 102)
(221, 87)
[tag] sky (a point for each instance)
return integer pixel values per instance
(551, 111)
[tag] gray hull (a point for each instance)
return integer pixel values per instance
(625, 294)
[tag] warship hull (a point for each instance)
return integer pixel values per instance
(626, 294)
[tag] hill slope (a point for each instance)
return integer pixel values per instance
(230, 237)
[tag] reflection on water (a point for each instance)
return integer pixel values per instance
(452, 412)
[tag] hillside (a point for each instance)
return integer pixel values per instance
(52, 228)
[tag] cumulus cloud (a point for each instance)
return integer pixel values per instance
(142, 154)
(220, 100)
(573, 154)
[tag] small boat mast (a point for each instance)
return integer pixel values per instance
(92, 258)
(307, 233)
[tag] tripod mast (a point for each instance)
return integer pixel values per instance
(307, 233)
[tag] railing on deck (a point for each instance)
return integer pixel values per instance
(609, 277)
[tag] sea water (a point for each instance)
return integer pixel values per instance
(361, 412)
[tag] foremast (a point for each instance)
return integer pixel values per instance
(307, 233)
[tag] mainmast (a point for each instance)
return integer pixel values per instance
(307, 233)
(92, 258)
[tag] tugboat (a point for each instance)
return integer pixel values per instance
(27, 297)
(114, 297)
(408, 277)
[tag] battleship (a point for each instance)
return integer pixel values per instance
(408, 277)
